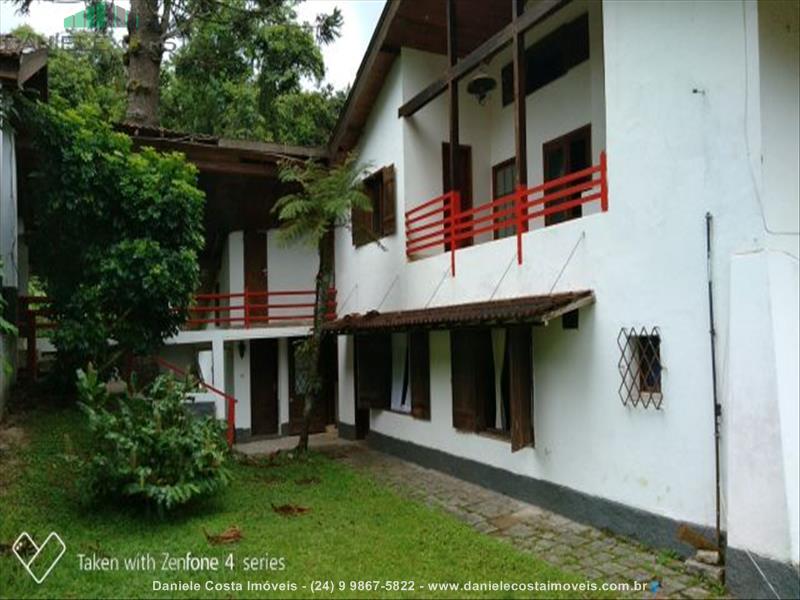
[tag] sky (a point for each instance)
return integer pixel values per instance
(342, 58)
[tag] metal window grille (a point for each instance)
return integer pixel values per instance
(640, 367)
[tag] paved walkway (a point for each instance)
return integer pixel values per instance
(572, 546)
(564, 543)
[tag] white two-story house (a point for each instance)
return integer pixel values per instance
(569, 198)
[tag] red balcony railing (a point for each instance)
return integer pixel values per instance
(253, 309)
(441, 224)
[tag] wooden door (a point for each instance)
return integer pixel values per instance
(264, 386)
(464, 183)
(255, 273)
(569, 153)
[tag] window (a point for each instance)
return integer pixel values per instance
(492, 378)
(562, 156)
(373, 354)
(393, 372)
(550, 58)
(368, 226)
(640, 367)
(504, 177)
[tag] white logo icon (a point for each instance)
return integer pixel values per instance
(36, 563)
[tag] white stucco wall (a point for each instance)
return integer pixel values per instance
(290, 267)
(762, 401)
(665, 92)
(760, 383)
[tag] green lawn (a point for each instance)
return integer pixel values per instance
(354, 531)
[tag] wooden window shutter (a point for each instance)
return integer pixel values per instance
(464, 361)
(374, 371)
(361, 226)
(520, 377)
(388, 202)
(420, 367)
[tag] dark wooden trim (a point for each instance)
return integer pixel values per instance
(465, 187)
(367, 63)
(482, 53)
(30, 64)
(520, 121)
(452, 56)
(520, 379)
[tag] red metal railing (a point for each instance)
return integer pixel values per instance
(441, 224)
(229, 400)
(248, 309)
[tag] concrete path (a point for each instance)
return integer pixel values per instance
(316, 441)
(569, 545)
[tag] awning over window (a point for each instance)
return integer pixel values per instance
(536, 310)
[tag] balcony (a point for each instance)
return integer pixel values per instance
(439, 225)
(250, 309)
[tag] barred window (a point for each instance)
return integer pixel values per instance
(640, 367)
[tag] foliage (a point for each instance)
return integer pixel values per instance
(147, 447)
(307, 117)
(350, 514)
(240, 74)
(324, 200)
(116, 237)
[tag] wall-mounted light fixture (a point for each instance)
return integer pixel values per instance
(480, 85)
(242, 348)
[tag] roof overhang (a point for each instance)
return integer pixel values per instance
(23, 65)
(534, 310)
(211, 154)
(417, 24)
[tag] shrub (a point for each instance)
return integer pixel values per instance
(147, 447)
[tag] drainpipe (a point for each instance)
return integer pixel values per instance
(717, 407)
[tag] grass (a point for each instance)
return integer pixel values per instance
(355, 530)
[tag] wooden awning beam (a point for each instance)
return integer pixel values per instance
(482, 53)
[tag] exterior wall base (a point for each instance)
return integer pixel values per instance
(744, 580)
(347, 431)
(648, 528)
(243, 435)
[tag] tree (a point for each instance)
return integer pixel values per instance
(324, 201)
(116, 235)
(152, 23)
(236, 75)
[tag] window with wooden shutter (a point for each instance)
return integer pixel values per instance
(381, 221)
(388, 202)
(472, 377)
(419, 359)
(374, 371)
(520, 385)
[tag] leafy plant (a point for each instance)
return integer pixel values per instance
(147, 447)
(116, 238)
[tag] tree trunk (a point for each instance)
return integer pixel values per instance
(143, 57)
(324, 285)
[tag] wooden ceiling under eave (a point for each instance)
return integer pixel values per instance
(417, 24)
